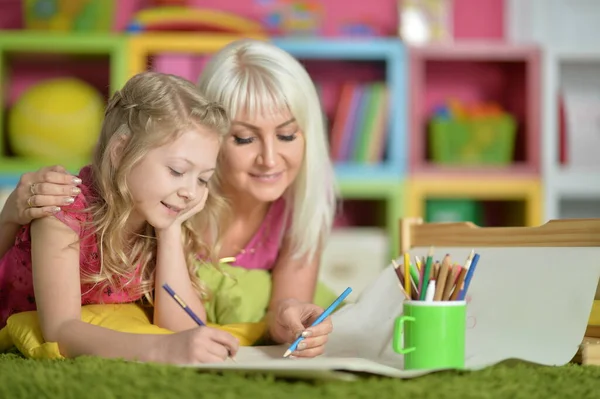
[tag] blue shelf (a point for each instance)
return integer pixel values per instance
(393, 52)
(371, 172)
(350, 49)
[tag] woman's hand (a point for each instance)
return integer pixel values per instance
(40, 194)
(197, 345)
(292, 318)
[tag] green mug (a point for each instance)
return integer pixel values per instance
(434, 334)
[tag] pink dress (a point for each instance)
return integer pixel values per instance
(16, 280)
(262, 250)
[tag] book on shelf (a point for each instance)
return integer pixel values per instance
(359, 128)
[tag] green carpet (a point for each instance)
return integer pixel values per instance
(88, 377)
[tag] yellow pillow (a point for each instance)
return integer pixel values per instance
(23, 331)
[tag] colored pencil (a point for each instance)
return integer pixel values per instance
(426, 274)
(469, 276)
(186, 308)
(407, 277)
(319, 320)
(441, 279)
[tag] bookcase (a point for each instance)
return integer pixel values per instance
(572, 108)
(509, 193)
(568, 31)
(96, 58)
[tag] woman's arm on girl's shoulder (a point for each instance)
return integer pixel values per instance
(51, 187)
(55, 262)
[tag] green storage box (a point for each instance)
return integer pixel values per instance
(454, 210)
(485, 141)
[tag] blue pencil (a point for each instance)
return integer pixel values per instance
(183, 305)
(320, 319)
(468, 277)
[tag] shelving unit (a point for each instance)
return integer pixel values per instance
(567, 30)
(145, 45)
(387, 50)
(77, 48)
(572, 187)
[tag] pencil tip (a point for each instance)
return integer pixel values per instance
(287, 353)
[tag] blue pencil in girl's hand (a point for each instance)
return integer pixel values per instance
(320, 319)
(183, 305)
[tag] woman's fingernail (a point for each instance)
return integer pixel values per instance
(55, 209)
(306, 333)
(69, 200)
(76, 190)
(301, 346)
(298, 334)
(76, 180)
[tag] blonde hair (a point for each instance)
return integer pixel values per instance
(150, 110)
(253, 76)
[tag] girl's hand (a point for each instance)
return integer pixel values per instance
(40, 194)
(198, 345)
(292, 318)
(192, 210)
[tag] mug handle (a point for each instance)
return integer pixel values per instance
(398, 348)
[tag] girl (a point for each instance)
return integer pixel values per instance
(274, 169)
(133, 226)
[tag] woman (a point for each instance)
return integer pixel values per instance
(273, 168)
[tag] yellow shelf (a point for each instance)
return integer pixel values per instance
(143, 45)
(529, 190)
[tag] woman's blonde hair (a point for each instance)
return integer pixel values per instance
(256, 77)
(149, 111)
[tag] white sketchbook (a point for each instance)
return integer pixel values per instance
(529, 304)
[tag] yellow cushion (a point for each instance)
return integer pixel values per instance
(23, 331)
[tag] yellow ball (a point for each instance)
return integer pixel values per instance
(56, 119)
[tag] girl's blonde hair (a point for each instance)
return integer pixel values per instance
(149, 111)
(256, 77)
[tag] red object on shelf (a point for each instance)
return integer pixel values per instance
(471, 72)
(562, 131)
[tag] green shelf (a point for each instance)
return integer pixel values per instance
(23, 42)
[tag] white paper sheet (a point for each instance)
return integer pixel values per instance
(530, 304)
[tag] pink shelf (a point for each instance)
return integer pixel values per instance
(476, 71)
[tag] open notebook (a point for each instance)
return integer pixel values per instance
(530, 304)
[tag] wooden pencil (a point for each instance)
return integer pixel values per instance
(398, 272)
(458, 285)
(407, 278)
(441, 279)
(453, 271)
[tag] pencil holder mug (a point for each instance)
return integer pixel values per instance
(433, 334)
